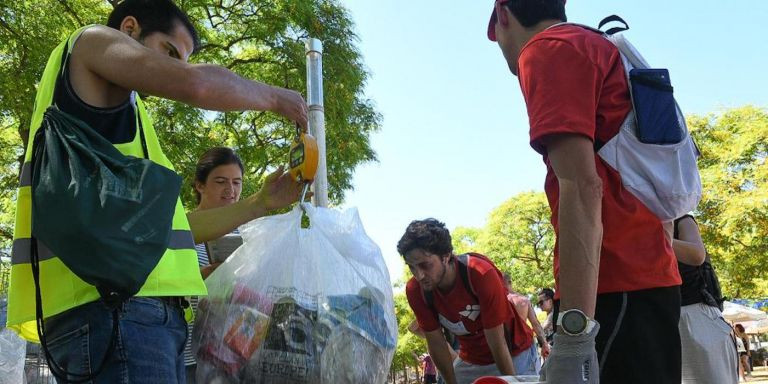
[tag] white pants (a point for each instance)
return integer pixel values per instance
(466, 373)
(525, 364)
(708, 351)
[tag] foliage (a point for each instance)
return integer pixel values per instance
(11, 144)
(407, 342)
(519, 238)
(464, 239)
(733, 213)
(258, 39)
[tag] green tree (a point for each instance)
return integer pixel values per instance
(520, 239)
(464, 239)
(733, 213)
(258, 39)
(408, 344)
(11, 149)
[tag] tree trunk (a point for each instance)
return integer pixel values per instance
(24, 134)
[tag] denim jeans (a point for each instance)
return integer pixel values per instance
(526, 361)
(149, 348)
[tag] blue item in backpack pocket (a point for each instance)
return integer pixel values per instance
(655, 107)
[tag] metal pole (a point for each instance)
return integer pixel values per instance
(314, 52)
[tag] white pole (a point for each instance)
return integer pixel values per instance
(314, 51)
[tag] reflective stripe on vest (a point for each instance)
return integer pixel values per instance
(177, 273)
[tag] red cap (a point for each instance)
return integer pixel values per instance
(492, 21)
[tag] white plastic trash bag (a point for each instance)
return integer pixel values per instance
(298, 305)
(12, 350)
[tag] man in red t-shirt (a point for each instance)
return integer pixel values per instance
(491, 336)
(615, 271)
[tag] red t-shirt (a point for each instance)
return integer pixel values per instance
(466, 318)
(573, 81)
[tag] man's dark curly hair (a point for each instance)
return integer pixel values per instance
(153, 16)
(429, 235)
(531, 12)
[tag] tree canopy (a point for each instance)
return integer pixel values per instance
(519, 238)
(258, 39)
(733, 213)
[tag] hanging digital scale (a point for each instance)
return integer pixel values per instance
(303, 156)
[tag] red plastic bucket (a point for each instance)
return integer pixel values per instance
(489, 380)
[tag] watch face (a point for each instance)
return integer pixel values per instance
(574, 322)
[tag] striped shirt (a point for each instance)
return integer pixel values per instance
(202, 259)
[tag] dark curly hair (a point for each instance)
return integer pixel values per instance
(549, 293)
(153, 16)
(429, 235)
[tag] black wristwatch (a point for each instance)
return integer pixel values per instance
(574, 322)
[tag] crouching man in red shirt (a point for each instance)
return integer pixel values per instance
(465, 295)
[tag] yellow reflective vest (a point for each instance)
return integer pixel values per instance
(177, 273)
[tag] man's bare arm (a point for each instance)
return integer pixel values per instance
(441, 355)
(499, 349)
(120, 60)
(572, 158)
(536, 325)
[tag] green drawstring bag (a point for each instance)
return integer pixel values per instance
(105, 215)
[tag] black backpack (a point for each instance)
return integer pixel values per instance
(711, 292)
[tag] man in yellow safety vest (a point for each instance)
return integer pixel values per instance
(96, 75)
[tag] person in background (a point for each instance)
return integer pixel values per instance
(524, 308)
(708, 354)
(430, 373)
(742, 343)
(546, 303)
(453, 343)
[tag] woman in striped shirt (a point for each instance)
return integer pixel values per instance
(218, 183)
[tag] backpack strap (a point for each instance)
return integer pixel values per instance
(613, 30)
(429, 298)
(676, 231)
(464, 273)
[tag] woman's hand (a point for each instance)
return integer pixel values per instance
(279, 191)
(208, 269)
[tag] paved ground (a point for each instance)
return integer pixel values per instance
(759, 376)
